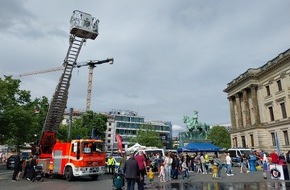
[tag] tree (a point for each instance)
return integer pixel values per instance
(147, 136)
(18, 119)
(220, 136)
(95, 123)
(90, 122)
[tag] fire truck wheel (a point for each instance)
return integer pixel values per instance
(94, 177)
(68, 174)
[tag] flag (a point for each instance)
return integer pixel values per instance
(119, 140)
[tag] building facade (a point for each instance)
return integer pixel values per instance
(259, 102)
(127, 123)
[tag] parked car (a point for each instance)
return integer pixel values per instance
(25, 156)
(236, 154)
(11, 162)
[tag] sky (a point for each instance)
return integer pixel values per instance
(171, 57)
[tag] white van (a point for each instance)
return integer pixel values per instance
(236, 154)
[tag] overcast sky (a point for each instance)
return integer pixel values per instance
(171, 57)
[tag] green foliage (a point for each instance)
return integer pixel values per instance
(96, 122)
(22, 119)
(83, 127)
(147, 136)
(18, 113)
(220, 136)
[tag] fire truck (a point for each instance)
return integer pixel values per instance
(79, 157)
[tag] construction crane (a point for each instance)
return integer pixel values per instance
(91, 64)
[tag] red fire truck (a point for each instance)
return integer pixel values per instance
(80, 157)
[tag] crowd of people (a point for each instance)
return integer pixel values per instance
(168, 167)
(24, 168)
(173, 166)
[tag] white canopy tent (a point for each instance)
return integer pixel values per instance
(134, 148)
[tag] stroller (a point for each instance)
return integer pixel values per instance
(38, 173)
(118, 181)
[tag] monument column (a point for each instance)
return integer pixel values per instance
(255, 104)
(239, 111)
(247, 109)
(232, 110)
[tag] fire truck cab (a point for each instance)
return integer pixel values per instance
(82, 157)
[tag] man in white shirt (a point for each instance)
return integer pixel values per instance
(229, 165)
(168, 166)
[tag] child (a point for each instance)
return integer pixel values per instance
(151, 175)
(214, 171)
(199, 167)
(162, 173)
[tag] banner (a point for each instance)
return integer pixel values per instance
(119, 140)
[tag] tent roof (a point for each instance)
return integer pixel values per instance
(199, 147)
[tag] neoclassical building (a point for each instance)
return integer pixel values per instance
(259, 102)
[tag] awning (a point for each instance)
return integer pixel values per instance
(199, 147)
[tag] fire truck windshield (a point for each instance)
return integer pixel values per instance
(91, 147)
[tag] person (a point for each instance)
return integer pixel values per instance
(141, 160)
(21, 168)
(199, 167)
(203, 163)
(151, 175)
(281, 159)
(162, 173)
(158, 162)
(184, 169)
(214, 171)
(168, 166)
(288, 159)
(111, 164)
(220, 166)
(17, 166)
(265, 166)
(31, 172)
(242, 163)
(229, 165)
(131, 171)
(175, 166)
(207, 162)
(274, 157)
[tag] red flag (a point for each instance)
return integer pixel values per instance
(119, 140)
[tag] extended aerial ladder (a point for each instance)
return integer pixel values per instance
(83, 27)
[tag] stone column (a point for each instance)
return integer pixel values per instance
(232, 110)
(255, 104)
(247, 108)
(239, 111)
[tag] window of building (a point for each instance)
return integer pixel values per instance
(110, 123)
(109, 141)
(235, 142)
(244, 141)
(109, 135)
(268, 90)
(283, 110)
(273, 139)
(252, 140)
(286, 137)
(109, 129)
(271, 112)
(279, 84)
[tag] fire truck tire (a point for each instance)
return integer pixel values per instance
(69, 174)
(94, 177)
